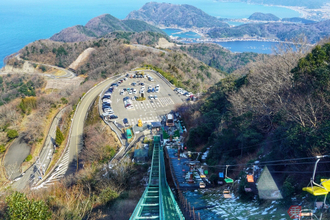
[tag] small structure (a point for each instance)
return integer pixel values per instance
(267, 187)
(169, 120)
(156, 126)
(141, 155)
(128, 134)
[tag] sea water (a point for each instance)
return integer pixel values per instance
(24, 21)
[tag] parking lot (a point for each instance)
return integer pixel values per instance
(148, 110)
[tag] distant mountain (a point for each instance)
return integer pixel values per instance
(184, 16)
(258, 16)
(302, 3)
(281, 31)
(298, 20)
(100, 26)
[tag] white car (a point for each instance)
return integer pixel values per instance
(141, 91)
(142, 87)
(108, 110)
(155, 97)
(149, 87)
(157, 90)
(151, 97)
(134, 91)
(130, 92)
(157, 85)
(106, 101)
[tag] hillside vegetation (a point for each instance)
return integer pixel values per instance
(278, 109)
(217, 57)
(184, 16)
(112, 56)
(100, 26)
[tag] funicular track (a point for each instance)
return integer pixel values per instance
(157, 201)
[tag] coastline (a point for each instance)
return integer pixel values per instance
(316, 14)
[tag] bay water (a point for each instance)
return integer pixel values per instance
(22, 21)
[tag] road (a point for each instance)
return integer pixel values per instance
(31, 175)
(68, 164)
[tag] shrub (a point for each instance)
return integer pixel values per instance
(20, 207)
(28, 158)
(59, 137)
(12, 134)
(2, 148)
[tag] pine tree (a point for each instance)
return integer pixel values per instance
(59, 137)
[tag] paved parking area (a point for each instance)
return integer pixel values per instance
(147, 110)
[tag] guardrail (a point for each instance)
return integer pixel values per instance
(68, 142)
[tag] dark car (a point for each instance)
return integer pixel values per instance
(133, 84)
(113, 116)
(142, 84)
(106, 97)
(153, 90)
(126, 98)
(125, 121)
(114, 84)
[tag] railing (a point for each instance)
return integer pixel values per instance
(157, 191)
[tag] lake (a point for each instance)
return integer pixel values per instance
(24, 21)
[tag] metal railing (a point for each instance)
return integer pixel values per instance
(157, 201)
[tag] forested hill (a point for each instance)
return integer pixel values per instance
(100, 26)
(302, 3)
(217, 57)
(258, 16)
(281, 31)
(184, 16)
(275, 109)
(112, 55)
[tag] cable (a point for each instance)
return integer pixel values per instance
(269, 162)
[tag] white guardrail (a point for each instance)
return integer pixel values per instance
(68, 142)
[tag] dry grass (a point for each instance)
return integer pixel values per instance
(37, 147)
(60, 150)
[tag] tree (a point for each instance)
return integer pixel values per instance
(59, 137)
(20, 207)
(12, 134)
(2, 149)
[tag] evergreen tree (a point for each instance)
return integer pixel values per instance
(59, 137)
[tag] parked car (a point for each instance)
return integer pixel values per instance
(151, 97)
(125, 121)
(134, 91)
(126, 98)
(106, 97)
(155, 97)
(113, 116)
(142, 87)
(130, 92)
(133, 84)
(108, 110)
